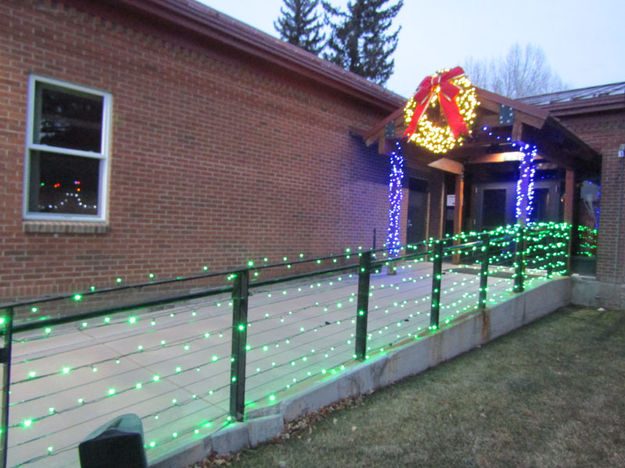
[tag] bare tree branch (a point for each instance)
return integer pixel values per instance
(521, 72)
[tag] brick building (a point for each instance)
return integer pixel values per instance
(161, 137)
(597, 115)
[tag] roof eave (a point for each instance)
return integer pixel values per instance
(528, 114)
(586, 106)
(590, 153)
(533, 111)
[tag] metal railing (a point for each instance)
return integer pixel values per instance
(366, 309)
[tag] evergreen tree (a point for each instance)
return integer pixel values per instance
(300, 25)
(360, 41)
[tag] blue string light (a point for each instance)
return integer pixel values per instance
(525, 184)
(524, 189)
(395, 196)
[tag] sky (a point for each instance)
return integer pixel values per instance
(583, 40)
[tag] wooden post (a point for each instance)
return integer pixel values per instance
(458, 210)
(443, 212)
(569, 196)
(517, 129)
(459, 205)
(385, 146)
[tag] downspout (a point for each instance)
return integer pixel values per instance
(618, 218)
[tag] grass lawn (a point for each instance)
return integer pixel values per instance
(550, 394)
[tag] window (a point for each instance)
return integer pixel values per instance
(67, 152)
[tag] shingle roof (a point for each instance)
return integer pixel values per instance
(591, 92)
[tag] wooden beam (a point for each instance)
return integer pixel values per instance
(491, 121)
(517, 129)
(531, 120)
(385, 145)
(378, 129)
(447, 165)
(489, 105)
(557, 146)
(492, 101)
(499, 157)
(381, 145)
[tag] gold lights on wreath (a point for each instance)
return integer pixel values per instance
(441, 128)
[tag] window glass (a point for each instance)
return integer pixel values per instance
(63, 184)
(67, 159)
(68, 118)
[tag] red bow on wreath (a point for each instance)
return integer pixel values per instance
(447, 92)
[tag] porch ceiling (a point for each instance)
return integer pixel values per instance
(556, 143)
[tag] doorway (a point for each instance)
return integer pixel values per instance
(493, 204)
(493, 208)
(417, 210)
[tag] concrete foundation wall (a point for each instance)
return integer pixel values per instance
(263, 424)
(592, 293)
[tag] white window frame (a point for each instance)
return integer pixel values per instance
(103, 155)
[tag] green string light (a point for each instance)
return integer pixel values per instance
(536, 256)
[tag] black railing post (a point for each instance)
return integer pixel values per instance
(364, 278)
(519, 270)
(437, 274)
(239, 341)
(484, 272)
(5, 359)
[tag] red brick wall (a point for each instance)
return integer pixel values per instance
(605, 132)
(215, 159)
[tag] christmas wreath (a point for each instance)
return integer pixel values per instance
(441, 113)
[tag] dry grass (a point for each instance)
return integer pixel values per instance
(551, 394)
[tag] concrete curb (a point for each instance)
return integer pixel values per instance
(263, 424)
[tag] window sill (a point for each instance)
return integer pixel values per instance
(65, 227)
